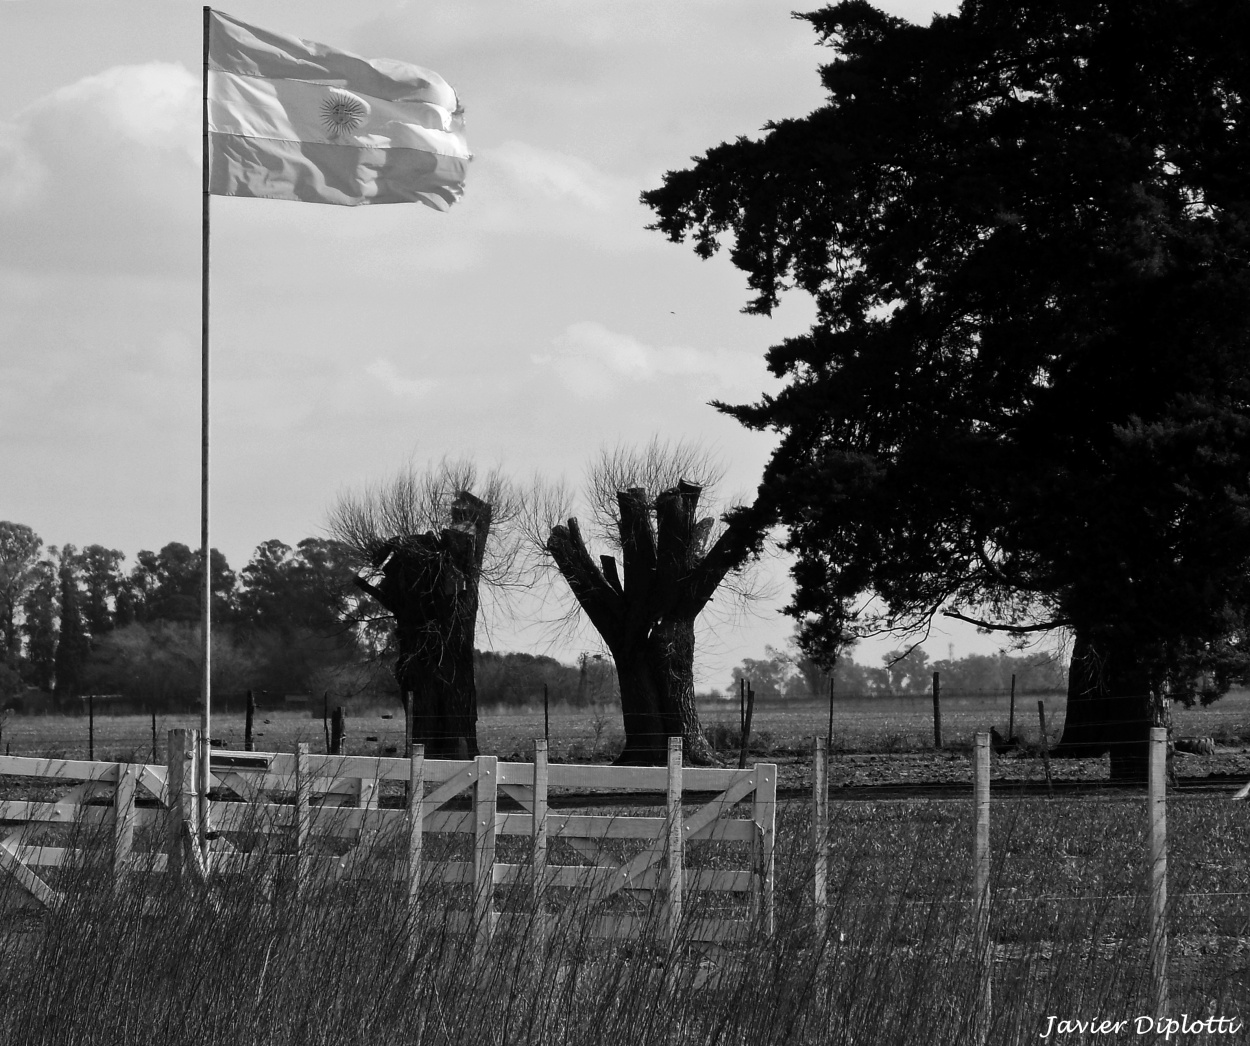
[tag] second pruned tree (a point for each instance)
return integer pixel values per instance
(645, 505)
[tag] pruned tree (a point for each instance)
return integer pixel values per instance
(426, 543)
(645, 505)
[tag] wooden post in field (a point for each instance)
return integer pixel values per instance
(829, 735)
(820, 832)
(746, 728)
(338, 730)
(416, 838)
(674, 845)
(937, 712)
(154, 737)
(1156, 803)
(325, 718)
(303, 818)
(538, 838)
(123, 820)
(485, 800)
(546, 715)
(91, 726)
(179, 795)
(1041, 716)
(415, 844)
(764, 816)
(1011, 716)
(248, 722)
(981, 880)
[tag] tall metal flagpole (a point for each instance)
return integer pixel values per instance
(205, 747)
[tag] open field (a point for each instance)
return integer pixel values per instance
(880, 726)
(899, 964)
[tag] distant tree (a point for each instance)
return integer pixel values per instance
(772, 676)
(165, 586)
(294, 613)
(102, 582)
(72, 644)
(158, 664)
(514, 678)
(597, 682)
(645, 506)
(426, 543)
(39, 624)
(1025, 400)
(19, 554)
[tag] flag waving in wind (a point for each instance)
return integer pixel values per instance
(294, 120)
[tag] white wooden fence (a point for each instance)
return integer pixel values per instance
(320, 816)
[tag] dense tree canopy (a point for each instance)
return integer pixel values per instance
(1026, 397)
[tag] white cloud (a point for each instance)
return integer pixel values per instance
(544, 175)
(103, 174)
(592, 361)
(384, 371)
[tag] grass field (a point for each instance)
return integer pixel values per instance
(899, 964)
(885, 726)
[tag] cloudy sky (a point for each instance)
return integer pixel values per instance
(534, 322)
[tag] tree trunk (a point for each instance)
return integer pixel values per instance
(671, 651)
(1111, 705)
(646, 732)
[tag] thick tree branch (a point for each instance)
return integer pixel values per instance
(594, 595)
(611, 576)
(739, 541)
(1018, 629)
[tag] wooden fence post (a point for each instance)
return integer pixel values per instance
(248, 721)
(1041, 716)
(1157, 811)
(91, 726)
(303, 818)
(764, 816)
(485, 799)
(1011, 716)
(981, 880)
(937, 711)
(538, 838)
(416, 839)
(123, 820)
(674, 855)
(820, 832)
(180, 796)
(338, 730)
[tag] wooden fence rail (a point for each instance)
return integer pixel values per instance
(322, 817)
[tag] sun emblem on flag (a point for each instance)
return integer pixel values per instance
(342, 113)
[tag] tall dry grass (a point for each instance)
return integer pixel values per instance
(250, 960)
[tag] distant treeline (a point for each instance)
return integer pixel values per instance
(290, 626)
(785, 674)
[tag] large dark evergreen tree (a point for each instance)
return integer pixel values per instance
(1026, 397)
